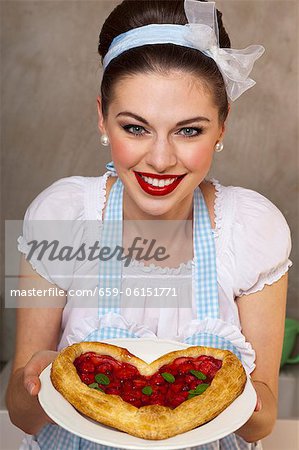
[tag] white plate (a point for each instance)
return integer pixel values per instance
(65, 415)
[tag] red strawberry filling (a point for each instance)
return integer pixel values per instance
(174, 383)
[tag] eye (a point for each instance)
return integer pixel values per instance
(136, 129)
(191, 132)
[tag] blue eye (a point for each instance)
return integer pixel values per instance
(137, 128)
(192, 132)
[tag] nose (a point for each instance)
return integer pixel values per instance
(161, 155)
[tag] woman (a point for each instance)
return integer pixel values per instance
(164, 102)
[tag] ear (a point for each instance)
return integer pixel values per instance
(223, 127)
(101, 121)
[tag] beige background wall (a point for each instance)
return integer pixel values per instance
(51, 77)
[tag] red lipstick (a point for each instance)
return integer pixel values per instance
(156, 190)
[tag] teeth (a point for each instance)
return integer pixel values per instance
(159, 183)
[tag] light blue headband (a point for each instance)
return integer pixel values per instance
(201, 33)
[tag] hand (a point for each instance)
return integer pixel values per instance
(258, 405)
(247, 428)
(33, 369)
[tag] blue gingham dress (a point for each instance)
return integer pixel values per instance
(204, 275)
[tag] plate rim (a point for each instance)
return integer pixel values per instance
(145, 444)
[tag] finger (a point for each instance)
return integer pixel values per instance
(31, 377)
(38, 362)
(32, 385)
(258, 405)
(33, 369)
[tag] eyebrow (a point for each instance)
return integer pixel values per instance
(183, 122)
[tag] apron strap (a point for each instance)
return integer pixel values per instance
(110, 271)
(204, 271)
(110, 166)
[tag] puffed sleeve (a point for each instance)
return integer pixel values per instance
(53, 229)
(261, 242)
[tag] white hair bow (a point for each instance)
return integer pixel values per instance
(234, 65)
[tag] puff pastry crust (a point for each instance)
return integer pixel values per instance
(151, 421)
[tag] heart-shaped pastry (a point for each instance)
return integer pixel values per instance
(174, 394)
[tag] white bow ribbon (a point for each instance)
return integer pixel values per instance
(234, 65)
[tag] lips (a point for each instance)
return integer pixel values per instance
(159, 177)
(157, 190)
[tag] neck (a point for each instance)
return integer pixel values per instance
(172, 230)
(183, 211)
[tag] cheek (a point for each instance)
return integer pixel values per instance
(200, 158)
(123, 154)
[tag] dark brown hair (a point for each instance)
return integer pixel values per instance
(160, 58)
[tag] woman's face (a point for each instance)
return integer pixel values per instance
(161, 125)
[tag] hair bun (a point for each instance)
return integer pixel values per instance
(136, 13)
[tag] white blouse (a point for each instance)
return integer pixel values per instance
(252, 241)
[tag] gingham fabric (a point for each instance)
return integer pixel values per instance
(204, 271)
(52, 436)
(110, 271)
(212, 340)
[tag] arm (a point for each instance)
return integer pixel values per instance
(262, 317)
(38, 331)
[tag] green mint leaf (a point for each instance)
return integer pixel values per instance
(201, 388)
(168, 377)
(198, 374)
(191, 396)
(147, 390)
(101, 378)
(192, 392)
(95, 386)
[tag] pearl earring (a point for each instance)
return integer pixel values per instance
(219, 147)
(105, 140)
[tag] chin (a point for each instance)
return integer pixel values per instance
(154, 211)
(158, 206)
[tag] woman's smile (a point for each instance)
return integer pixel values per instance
(158, 185)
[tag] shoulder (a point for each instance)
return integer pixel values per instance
(258, 239)
(226, 203)
(242, 207)
(68, 198)
(255, 212)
